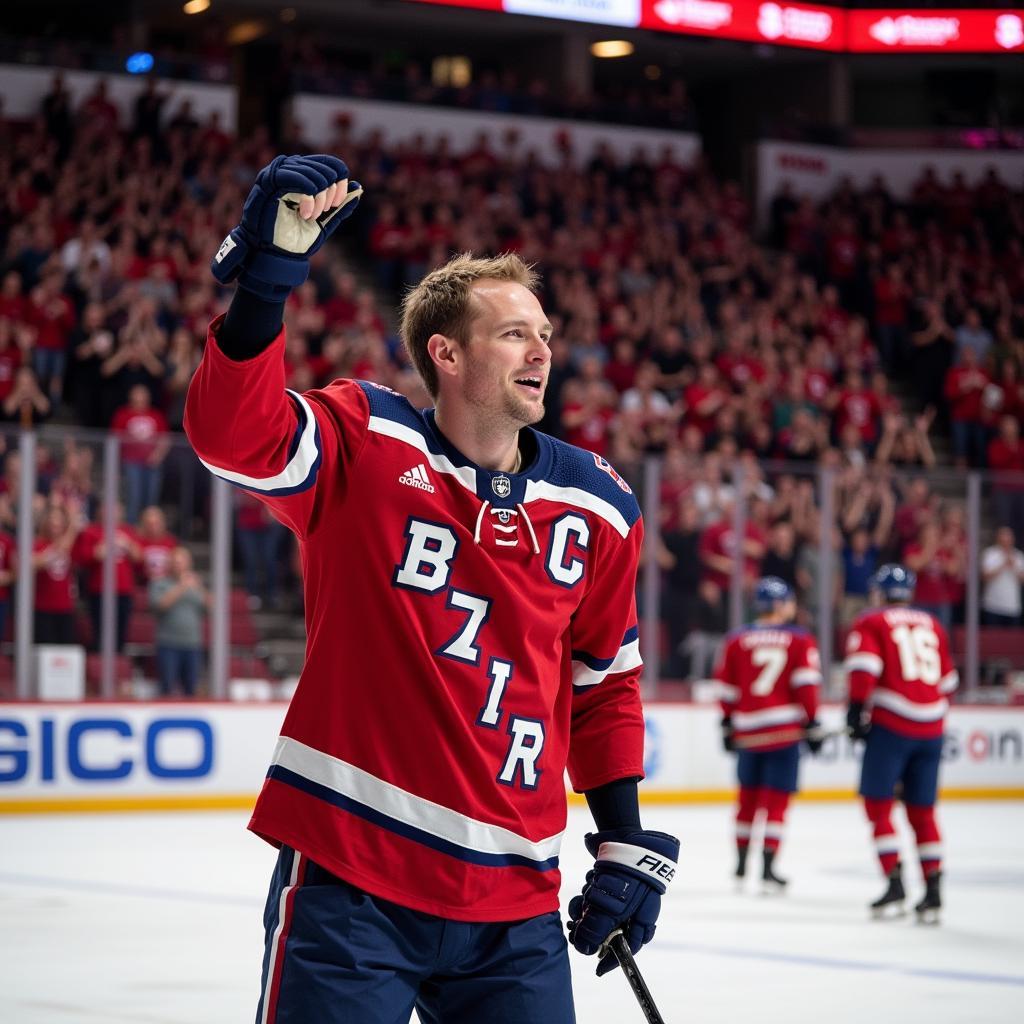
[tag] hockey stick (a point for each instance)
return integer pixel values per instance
(616, 944)
(781, 735)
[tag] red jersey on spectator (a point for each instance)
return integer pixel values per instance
(156, 555)
(54, 581)
(719, 539)
(53, 321)
(739, 370)
(593, 433)
(964, 388)
(817, 385)
(1006, 458)
(10, 360)
(139, 430)
(862, 409)
(85, 555)
(8, 553)
(899, 657)
(696, 396)
(768, 677)
(933, 582)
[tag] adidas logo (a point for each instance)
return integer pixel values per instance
(417, 477)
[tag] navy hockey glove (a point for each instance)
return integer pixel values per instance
(728, 735)
(268, 253)
(858, 724)
(814, 736)
(624, 889)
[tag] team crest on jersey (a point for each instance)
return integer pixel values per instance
(502, 486)
(607, 467)
(503, 514)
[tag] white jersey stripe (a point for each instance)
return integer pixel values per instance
(299, 466)
(900, 705)
(805, 677)
(949, 682)
(628, 658)
(864, 661)
(784, 714)
(542, 490)
(406, 807)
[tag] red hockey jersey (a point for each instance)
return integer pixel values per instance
(471, 634)
(768, 677)
(898, 657)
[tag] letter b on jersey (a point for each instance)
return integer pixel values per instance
(429, 550)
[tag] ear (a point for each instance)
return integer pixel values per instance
(446, 354)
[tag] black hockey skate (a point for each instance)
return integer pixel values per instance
(771, 884)
(741, 866)
(890, 903)
(928, 909)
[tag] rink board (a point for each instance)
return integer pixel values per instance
(161, 755)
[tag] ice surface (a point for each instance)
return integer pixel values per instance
(156, 919)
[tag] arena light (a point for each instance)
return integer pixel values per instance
(196, 6)
(611, 48)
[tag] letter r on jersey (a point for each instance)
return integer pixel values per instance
(427, 561)
(525, 747)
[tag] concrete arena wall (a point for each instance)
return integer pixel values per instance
(145, 756)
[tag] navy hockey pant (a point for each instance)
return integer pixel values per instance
(890, 759)
(337, 955)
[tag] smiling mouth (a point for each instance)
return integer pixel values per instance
(531, 383)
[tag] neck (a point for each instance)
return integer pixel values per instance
(494, 448)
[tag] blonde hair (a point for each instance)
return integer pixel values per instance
(441, 303)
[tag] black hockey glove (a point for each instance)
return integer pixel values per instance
(814, 736)
(857, 722)
(268, 253)
(624, 889)
(728, 735)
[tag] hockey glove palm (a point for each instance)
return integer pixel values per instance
(858, 724)
(623, 890)
(268, 253)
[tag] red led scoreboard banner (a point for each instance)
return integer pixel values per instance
(819, 28)
(928, 31)
(890, 30)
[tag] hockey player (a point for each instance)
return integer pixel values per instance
(472, 632)
(769, 674)
(897, 658)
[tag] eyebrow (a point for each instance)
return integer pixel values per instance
(524, 323)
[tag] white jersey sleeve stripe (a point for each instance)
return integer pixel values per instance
(805, 677)
(949, 682)
(784, 714)
(299, 473)
(627, 659)
(864, 661)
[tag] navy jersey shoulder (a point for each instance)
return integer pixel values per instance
(576, 467)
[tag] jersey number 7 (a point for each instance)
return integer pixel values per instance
(771, 661)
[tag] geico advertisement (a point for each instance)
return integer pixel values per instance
(109, 749)
(984, 750)
(67, 752)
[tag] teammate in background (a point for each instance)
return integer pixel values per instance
(769, 673)
(472, 633)
(897, 657)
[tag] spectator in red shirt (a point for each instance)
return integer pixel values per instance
(859, 407)
(587, 415)
(704, 398)
(10, 357)
(965, 385)
(8, 574)
(51, 313)
(55, 585)
(156, 543)
(144, 446)
(1006, 459)
(718, 550)
(934, 565)
(260, 541)
(89, 553)
(892, 297)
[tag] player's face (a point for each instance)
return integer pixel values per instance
(505, 369)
